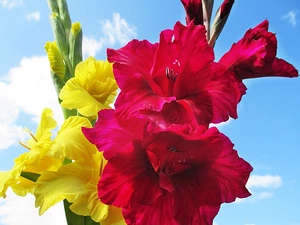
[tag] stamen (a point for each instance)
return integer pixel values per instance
(32, 135)
(171, 75)
(174, 149)
(25, 146)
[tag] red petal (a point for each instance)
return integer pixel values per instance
(128, 179)
(255, 56)
(137, 95)
(232, 172)
(135, 57)
(109, 135)
(159, 212)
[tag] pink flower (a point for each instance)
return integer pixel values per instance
(255, 55)
(175, 81)
(173, 176)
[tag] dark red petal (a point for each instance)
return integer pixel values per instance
(225, 92)
(255, 55)
(232, 172)
(192, 65)
(135, 57)
(197, 197)
(137, 95)
(171, 146)
(128, 179)
(109, 135)
(279, 68)
(159, 212)
(194, 11)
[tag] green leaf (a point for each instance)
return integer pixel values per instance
(30, 176)
(74, 219)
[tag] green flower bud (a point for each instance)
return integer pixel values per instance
(65, 16)
(75, 43)
(59, 34)
(53, 6)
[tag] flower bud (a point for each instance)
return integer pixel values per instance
(53, 6)
(65, 16)
(193, 9)
(59, 34)
(220, 20)
(75, 43)
(57, 65)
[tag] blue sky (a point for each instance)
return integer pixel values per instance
(266, 134)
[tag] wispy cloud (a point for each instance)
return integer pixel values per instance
(33, 16)
(291, 17)
(20, 210)
(91, 46)
(18, 92)
(264, 181)
(115, 31)
(118, 30)
(10, 3)
(261, 187)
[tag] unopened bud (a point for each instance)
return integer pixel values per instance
(65, 16)
(57, 65)
(59, 34)
(220, 20)
(193, 9)
(53, 6)
(75, 42)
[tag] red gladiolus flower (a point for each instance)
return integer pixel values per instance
(255, 55)
(176, 80)
(194, 11)
(174, 176)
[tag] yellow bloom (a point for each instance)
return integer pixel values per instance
(36, 160)
(56, 62)
(46, 154)
(93, 88)
(77, 182)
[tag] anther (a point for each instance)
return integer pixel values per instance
(174, 149)
(25, 146)
(171, 75)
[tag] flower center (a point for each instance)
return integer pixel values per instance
(172, 74)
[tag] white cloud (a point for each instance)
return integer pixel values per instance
(91, 46)
(20, 210)
(115, 31)
(118, 30)
(291, 17)
(10, 3)
(265, 181)
(265, 195)
(33, 16)
(28, 89)
(260, 186)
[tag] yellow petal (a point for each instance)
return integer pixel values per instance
(57, 65)
(52, 187)
(70, 142)
(93, 88)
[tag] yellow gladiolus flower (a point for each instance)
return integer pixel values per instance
(92, 89)
(46, 154)
(35, 161)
